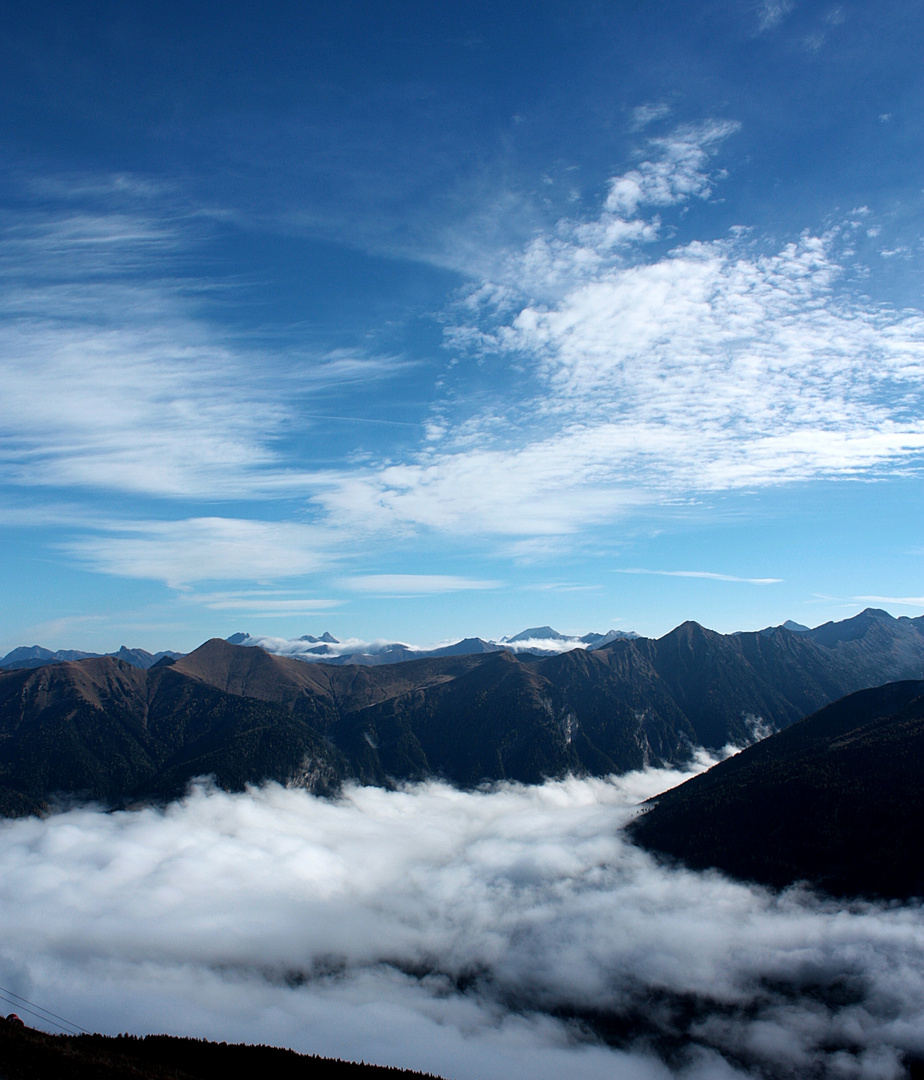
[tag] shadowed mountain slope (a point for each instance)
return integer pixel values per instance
(833, 800)
(103, 730)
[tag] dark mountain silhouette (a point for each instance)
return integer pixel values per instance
(103, 729)
(35, 656)
(797, 628)
(27, 656)
(833, 800)
(27, 1054)
(537, 633)
(466, 647)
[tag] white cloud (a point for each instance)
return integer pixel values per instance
(675, 173)
(722, 365)
(626, 380)
(674, 170)
(817, 38)
(703, 574)
(746, 368)
(551, 486)
(643, 115)
(415, 584)
(307, 650)
(545, 645)
(182, 552)
(772, 12)
(266, 606)
(113, 380)
(902, 601)
(448, 931)
(719, 367)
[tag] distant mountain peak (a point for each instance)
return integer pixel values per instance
(689, 629)
(792, 627)
(537, 633)
(873, 613)
(33, 656)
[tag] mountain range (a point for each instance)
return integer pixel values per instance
(32, 656)
(542, 640)
(103, 729)
(538, 640)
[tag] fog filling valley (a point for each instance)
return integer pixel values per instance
(511, 932)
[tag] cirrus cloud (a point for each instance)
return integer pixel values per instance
(113, 379)
(415, 584)
(705, 574)
(181, 552)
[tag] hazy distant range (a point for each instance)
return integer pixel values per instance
(541, 640)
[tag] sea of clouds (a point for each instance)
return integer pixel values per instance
(513, 932)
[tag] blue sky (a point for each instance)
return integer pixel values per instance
(412, 322)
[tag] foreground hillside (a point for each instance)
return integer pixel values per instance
(835, 800)
(26, 1054)
(103, 729)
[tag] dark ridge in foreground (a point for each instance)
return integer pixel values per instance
(835, 801)
(27, 1054)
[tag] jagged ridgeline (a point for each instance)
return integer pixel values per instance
(105, 730)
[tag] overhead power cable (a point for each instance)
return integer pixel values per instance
(25, 1005)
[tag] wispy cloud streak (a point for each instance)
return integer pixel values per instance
(115, 381)
(415, 584)
(705, 574)
(181, 552)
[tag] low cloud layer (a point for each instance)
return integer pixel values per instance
(501, 933)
